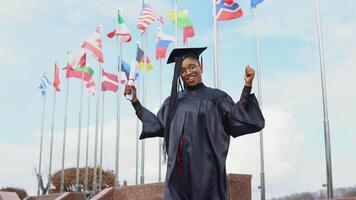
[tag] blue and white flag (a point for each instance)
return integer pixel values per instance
(254, 3)
(44, 83)
(125, 67)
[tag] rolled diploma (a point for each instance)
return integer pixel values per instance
(132, 77)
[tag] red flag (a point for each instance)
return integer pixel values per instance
(75, 73)
(83, 60)
(56, 78)
(110, 82)
(188, 32)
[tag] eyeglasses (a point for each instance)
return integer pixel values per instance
(191, 68)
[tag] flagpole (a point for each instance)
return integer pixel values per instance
(216, 62)
(51, 146)
(138, 92)
(79, 130)
(144, 104)
(259, 88)
(117, 153)
(87, 149)
(101, 144)
(64, 135)
(330, 194)
(160, 102)
(41, 145)
(97, 128)
(176, 21)
(137, 135)
(160, 139)
(97, 131)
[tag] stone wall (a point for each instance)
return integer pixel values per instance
(239, 185)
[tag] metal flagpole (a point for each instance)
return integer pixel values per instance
(41, 145)
(64, 135)
(79, 131)
(330, 194)
(101, 144)
(144, 104)
(160, 102)
(176, 21)
(262, 173)
(137, 135)
(97, 129)
(160, 139)
(137, 130)
(117, 152)
(87, 149)
(51, 147)
(216, 62)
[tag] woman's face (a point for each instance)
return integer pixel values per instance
(191, 72)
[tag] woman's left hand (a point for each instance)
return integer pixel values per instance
(249, 75)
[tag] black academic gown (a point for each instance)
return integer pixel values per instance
(199, 140)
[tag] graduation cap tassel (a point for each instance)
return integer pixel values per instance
(201, 64)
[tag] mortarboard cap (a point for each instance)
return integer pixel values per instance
(180, 52)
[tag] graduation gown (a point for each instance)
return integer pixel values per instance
(200, 131)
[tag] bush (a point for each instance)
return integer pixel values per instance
(20, 192)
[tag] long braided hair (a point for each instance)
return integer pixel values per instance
(173, 100)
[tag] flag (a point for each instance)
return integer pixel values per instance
(140, 58)
(147, 16)
(162, 43)
(83, 60)
(56, 78)
(184, 23)
(44, 83)
(78, 59)
(95, 45)
(227, 10)
(109, 82)
(77, 72)
(254, 3)
(90, 85)
(121, 30)
(125, 67)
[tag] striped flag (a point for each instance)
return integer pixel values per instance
(44, 83)
(227, 10)
(162, 43)
(147, 16)
(94, 44)
(254, 3)
(121, 30)
(110, 82)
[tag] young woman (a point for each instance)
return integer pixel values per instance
(196, 123)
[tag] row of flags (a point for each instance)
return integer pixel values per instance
(76, 66)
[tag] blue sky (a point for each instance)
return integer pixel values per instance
(37, 33)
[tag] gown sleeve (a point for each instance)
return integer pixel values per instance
(243, 117)
(152, 125)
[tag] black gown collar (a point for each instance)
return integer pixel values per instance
(197, 87)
